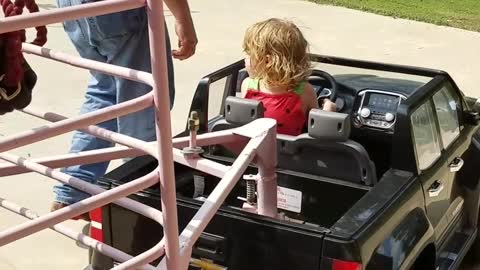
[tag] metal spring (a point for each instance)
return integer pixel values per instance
(250, 191)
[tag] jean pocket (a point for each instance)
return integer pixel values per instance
(68, 26)
(121, 23)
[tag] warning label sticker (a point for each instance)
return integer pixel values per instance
(289, 199)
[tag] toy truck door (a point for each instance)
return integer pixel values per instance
(439, 144)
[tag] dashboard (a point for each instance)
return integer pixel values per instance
(371, 108)
(376, 109)
(372, 101)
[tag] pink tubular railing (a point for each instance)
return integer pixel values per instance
(258, 138)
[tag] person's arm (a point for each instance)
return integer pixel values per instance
(184, 28)
(310, 97)
(244, 87)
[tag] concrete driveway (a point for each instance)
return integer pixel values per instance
(220, 26)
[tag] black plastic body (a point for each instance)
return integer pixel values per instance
(387, 226)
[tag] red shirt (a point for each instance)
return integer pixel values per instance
(286, 108)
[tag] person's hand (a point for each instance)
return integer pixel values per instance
(328, 105)
(187, 40)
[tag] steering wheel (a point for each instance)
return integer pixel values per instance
(322, 92)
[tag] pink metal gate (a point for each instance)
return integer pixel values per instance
(176, 246)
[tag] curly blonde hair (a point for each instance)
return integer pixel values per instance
(278, 52)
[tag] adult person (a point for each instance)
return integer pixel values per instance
(120, 39)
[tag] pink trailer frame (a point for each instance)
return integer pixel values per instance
(258, 139)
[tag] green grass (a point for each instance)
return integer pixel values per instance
(456, 13)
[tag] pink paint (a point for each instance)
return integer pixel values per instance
(64, 126)
(261, 132)
(258, 136)
(121, 72)
(84, 239)
(57, 15)
(156, 30)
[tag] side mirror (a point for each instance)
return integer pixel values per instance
(242, 75)
(472, 117)
(476, 106)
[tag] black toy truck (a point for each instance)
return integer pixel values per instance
(398, 191)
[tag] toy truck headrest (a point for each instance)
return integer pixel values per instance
(327, 125)
(241, 111)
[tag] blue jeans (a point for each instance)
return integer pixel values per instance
(119, 39)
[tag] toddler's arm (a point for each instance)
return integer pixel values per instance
(244, 87)
(309, 98)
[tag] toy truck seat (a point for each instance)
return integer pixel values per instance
(324, 151)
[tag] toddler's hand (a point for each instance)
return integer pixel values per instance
(328, 105)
